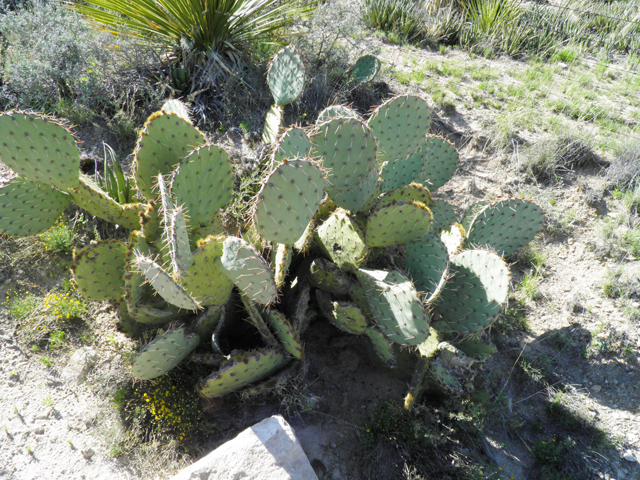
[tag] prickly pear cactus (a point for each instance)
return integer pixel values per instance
(286, 76)
(164, 354)
(98, 270)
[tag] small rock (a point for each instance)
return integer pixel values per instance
(629, 457)
(596, 388)
(570, 241)
(88, 453)
(39, 431)
(80, 363)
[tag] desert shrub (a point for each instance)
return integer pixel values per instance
(624, 171)
(402, 17)
(546, 160)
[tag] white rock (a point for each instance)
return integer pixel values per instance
(629, 457)
(268, 450)
(79, 365)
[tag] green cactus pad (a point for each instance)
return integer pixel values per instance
(205, 281)
(282, 259)
(400, 172)
(248, 270)
(214, 228)
(506, 226)
(98, 270)
(397, 223)
(208, 320)
(346, 316)
(382, 346)
(440, 162)
(288, 201)
(203, 184)
(336, 111)
(153, 316)
(165, 140)
(400, 125)
(395, 306)
(126, 324)
(286, 76)
(453, 238)
(427, 261)
(240, 371)
(257, 321)
(166, 286)
(413, 192)
(294, 143)
(164, 354)
(29, 208)
(365, 69)
(326, 276)
(473, 297)
(39, 149)
(342, 240)
(443, 215)
(476, 348)
(96, 201)
(272, 124)
(289, 338)
(348, 150)
(356, 198)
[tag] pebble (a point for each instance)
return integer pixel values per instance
(39, 431)
(629, 457)
(596, 388)
(88, 453)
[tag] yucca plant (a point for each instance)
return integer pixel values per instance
(220, 30)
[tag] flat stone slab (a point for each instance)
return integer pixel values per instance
(268, 450)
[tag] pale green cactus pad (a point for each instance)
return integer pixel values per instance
(355, 199)
(473, 297)
(248, 270)
(365, 69)
(214, 228)
(203, 184)
(272, 124)
(289, 338)
(395, 305)
(505, 226)
(162, 143)
(240, 371)
(427, 261)
(337, 111)
(413, 192)
(39, 149)
(205, 281)
(286, 76)
(382, 346)
(326, 276)
(99, 269)
(397, 223)
(293, 143)
(288, 201)
(400, 125)
(440, 162)
(346, 316)
(164, 354)
(29, 208)
(282, 261)
(342, 240)
(443, 215)
(401, 172)
(348, 150)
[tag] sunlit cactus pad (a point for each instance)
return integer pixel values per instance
(99, 269)
(29, 208)
(286, 76)
(443, 215)
(272, 124)
(365, 69)
(395, 305)
(39, 149)
(505, 226)
(285, 332)
(439, 163)
(293, 143)
(337, 111)
(205, 281)
(397, 223)
(342, 240)
(400, 125)
(413, 192)
(164, 354)
(401, 172)
(248, 270)
(240, 371)
(163, 142)
(427, 261)
(288, 200)
(203, 184)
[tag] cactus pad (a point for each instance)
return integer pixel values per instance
(289, 338)
(98, 270)
(29, 208)
(248, 270)
(205, 281)
(440, 162)
(342, 240)
(397, 223)
(164, 354)
(336, 111)
(326, 276)
(39, 149)
(240, 371)
(453, 238)
(365, 69)
(395, 305)
(506, 226)
(413, 192)
(294, 143)
(400, 125)
(443, 215)
(427, 261)
(164, 141)
(288, 200)
(401, 172)
(476, 348)
(272, 124)
(284, 254)
(382, 346)
(286, 76)
(346, 316)
(203, 184)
